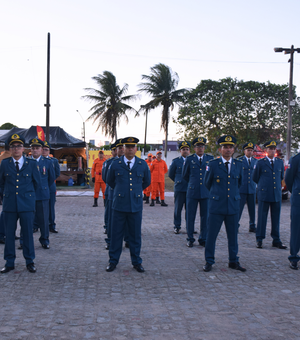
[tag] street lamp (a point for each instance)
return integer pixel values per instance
(290, 103)
(83, 125)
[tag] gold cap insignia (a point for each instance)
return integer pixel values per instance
(228, 139)
(184, 143)
(130, 139)
(200, 139)
(15, 136)
(35, 140)
(273, 143)
(250, 145)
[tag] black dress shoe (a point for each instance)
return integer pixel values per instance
(111, 267)
(202, 243)
(139, 268)
(294, 265)
(6, 269)
(2, 241)
(17, 237)
(35, 230)
(195, 232)
(190, 244)
(259, 244)
(127, 245)
(176, 230)
(107, 247)
(53, 231)
(207, 267)
(279, 245)
(236, 266)
(20, 246)
(31, 268)
(252, 230)
(46, 246)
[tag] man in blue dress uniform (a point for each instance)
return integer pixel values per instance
(268, 174)
(292, 180)
(19, 178)
(248, 187)
(223, 179)
(180, 185)
(108, 195)
(128, 176)
(47, 174)
(46, 154)
(193, 172)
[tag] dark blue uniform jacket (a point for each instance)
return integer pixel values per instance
(19, 188)
(128, 184)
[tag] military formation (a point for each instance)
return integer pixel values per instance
(219, 186)
(28, 191)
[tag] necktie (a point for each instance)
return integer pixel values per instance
(226, 164)
(128, 164)
(249, 161)
(200, 161)
(272, 163)
(17, 166)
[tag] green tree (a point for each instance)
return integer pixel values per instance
(251, 111)
(7, 126)
(110, 103)
(161, 85)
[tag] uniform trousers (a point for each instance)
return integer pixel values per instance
(52, 201)
(295, 234)
(250, 199)
(2, 228)
(158, 190)
(120, 221)
(41, 220)
(147, 191)
(26, 222)
(263, 209)
(105, 213)
(97, 187)
(191, 210)
(214, 225)
(179, 202)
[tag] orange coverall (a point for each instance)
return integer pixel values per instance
(147, 191)
(97, 173)
(158, 170)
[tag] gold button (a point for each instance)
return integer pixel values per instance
(130, 179)
(200, 183)
(130, 189)
(17, 174)
(274, 187)
(200, 179)
(17, 180)
(130, 183)
(228, 176)
(16, 193)
(119, 194)
(130, 173)
(17, 186)
(273, 173)
(228, 189)
(228, 195)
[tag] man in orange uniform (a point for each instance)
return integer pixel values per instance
(147, 191)
(158, 169)
(97, 177)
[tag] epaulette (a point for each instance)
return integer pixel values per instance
(214, 160)
(262, 159)
(177, 158)
(191, 155)
(237, 159)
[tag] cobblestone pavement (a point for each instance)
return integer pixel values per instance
(71, 296)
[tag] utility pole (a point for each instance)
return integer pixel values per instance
(47, 105)
(290, 102)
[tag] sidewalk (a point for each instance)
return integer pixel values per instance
(71, 296)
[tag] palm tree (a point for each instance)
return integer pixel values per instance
(110, 104)
(161, 85)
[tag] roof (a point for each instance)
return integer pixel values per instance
(58, 137)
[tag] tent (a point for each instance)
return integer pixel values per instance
(59, 138)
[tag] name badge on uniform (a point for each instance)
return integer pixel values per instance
(44, 170)
(207, 168)
(254, 166)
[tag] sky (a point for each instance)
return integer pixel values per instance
(198, 39)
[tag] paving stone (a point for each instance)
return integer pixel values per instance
(71, 296)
